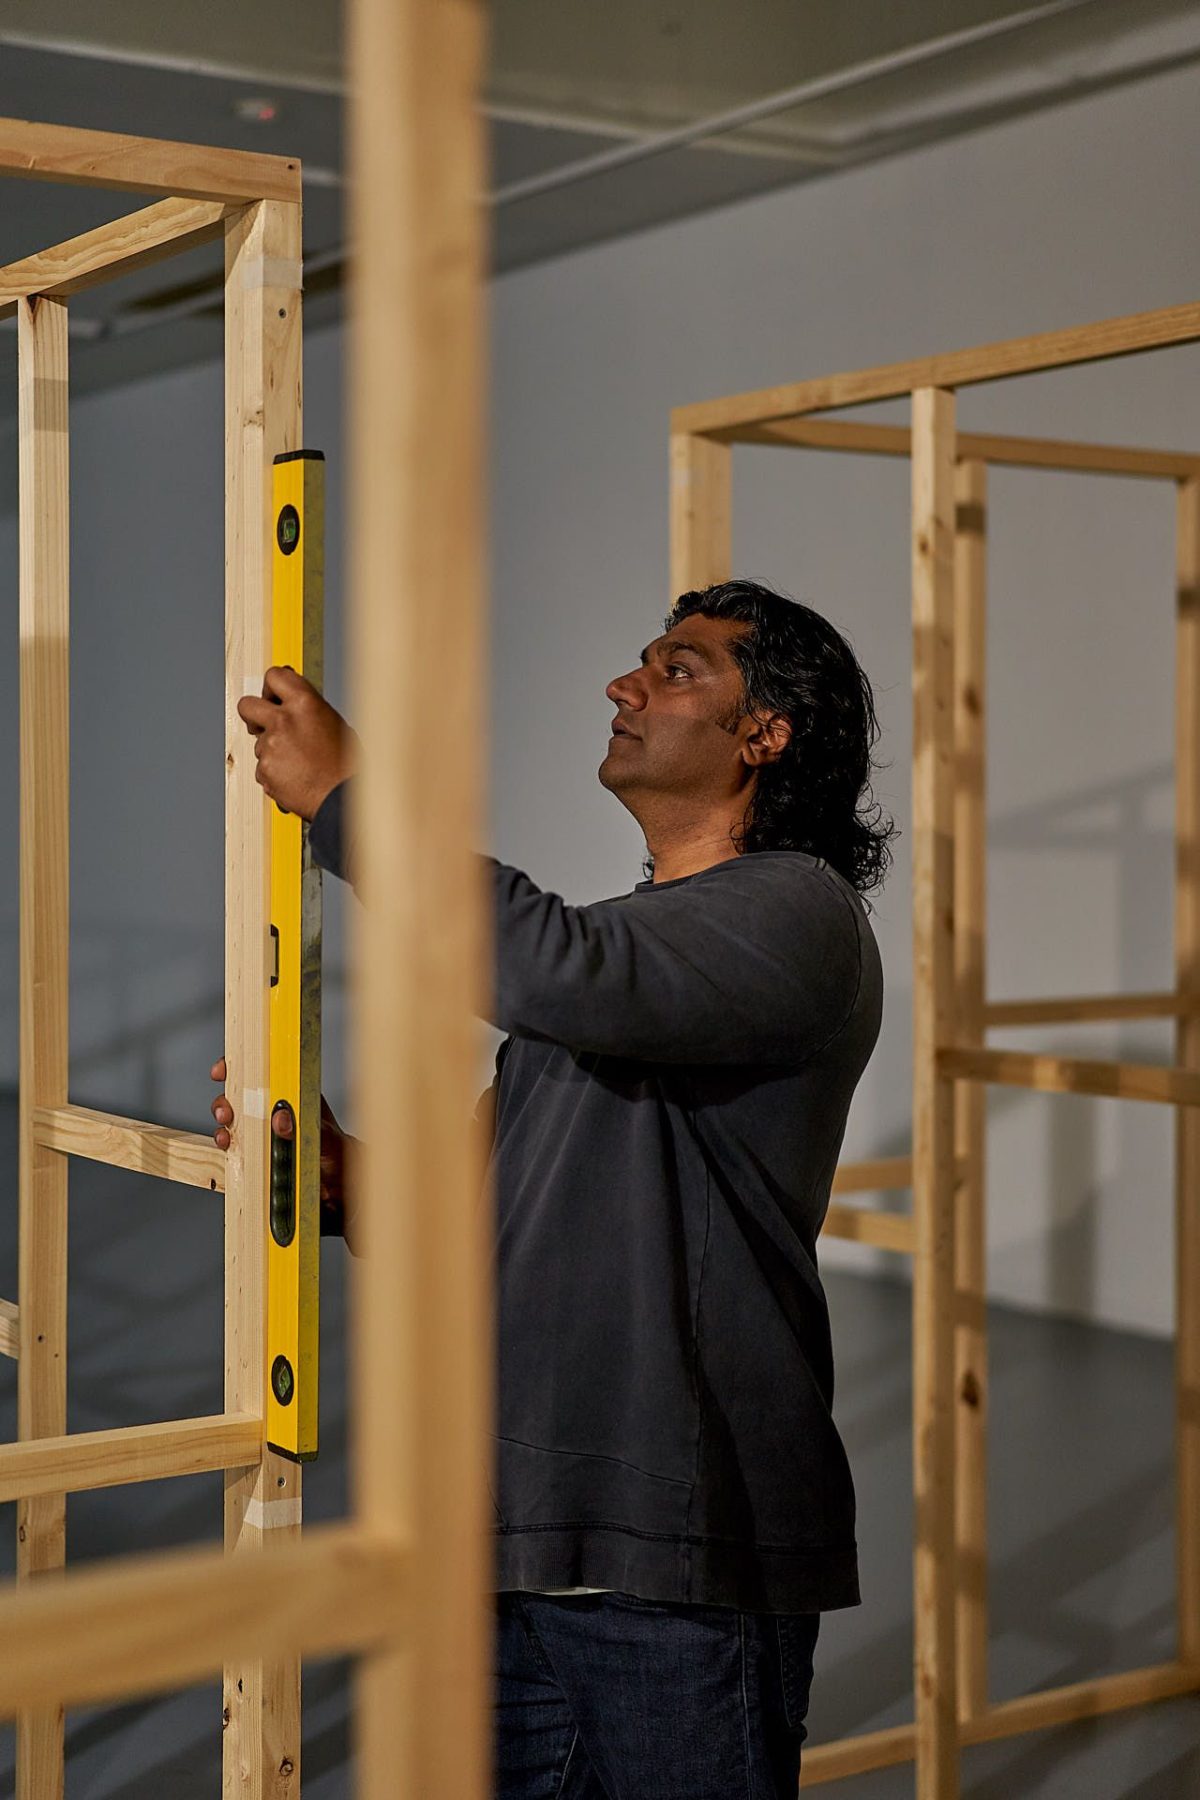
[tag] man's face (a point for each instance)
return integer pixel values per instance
(677, 727)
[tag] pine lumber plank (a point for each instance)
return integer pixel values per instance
(701, 513)
(1073, 1075)
(138, 165)
(861, 439)
(423, 1341)
(94, 1459)
(1099, 342)
(261, 1745)
(44, 610)
(867, 1225)
(1090, 1008)
(133, 242)
(970, 1099)
(934, 1562)
(1187, 1057)
(186, 1156)
(1091, 1699)
(146, 1624)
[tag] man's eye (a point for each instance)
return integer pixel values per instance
(672, 667)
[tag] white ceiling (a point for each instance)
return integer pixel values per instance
(567, 79)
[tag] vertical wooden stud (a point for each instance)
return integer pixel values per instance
(262, 418)
(701, 512)
(1187, 1056)
(423, 1329)
(44, 926)
(970, 1097)
(933, 441)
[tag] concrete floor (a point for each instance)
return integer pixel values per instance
(1081, 1504)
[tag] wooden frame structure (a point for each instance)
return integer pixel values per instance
(410, 1566)
(403, 1583)
(945, 1232)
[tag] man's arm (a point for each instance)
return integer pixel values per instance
(758, 963)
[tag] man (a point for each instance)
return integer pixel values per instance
(673, 1504)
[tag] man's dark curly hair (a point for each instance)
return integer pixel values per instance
(816, 796)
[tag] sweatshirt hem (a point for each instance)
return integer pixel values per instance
(678, 1571)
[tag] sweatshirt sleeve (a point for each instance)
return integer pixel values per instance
(758, 963)
(329, 834)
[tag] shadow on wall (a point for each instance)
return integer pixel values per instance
(146, 1019)
(1058, 1162)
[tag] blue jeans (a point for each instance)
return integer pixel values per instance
(608, 1697)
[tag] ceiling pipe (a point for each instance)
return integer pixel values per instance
(819, 88)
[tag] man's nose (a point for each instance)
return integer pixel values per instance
(625, 690)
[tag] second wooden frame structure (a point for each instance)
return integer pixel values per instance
(945, 1233)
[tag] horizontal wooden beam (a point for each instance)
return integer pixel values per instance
(1015, 452)
(1090, 1009)
(129, 243)
(186, 1156)
(957, 368)
(137, 165)
(866, 1177)
(1069, 1075)
(98, 1459)
(866, 1225)
(144, 1624)
(868, 1750)
(9, 1341)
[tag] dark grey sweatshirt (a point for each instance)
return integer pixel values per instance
(669, 1105)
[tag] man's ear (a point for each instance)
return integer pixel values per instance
(769, 739)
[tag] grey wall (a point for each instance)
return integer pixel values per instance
(1062, 218)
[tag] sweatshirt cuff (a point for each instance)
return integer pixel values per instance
(327, 832)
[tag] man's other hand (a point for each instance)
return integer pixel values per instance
(337, 1148)
(303, 746)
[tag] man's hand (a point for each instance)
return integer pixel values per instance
(337, 1150)
(303, 747)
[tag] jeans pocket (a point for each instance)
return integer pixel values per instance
(797, 1636)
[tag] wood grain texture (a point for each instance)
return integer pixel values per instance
(1090, 1008)
(957, 368)
(881, 1172)
(865, 1225)
(934, 1572)
(137, 165)
(1187, 1057)
(96, 1459)
(185, 1156)
(423, 1315)
(970, 1099)
(261, 1750)
(44, 924)
(134, 242)
(10, 1329)
(859, 439)
(701, 513)
(1092, 1699)
(144, 1624)
(1074, 1075)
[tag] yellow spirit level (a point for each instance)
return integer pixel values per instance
(294, 1201)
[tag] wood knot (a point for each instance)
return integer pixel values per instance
(226, 1715)
(287, 1766)
(969, 1392)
